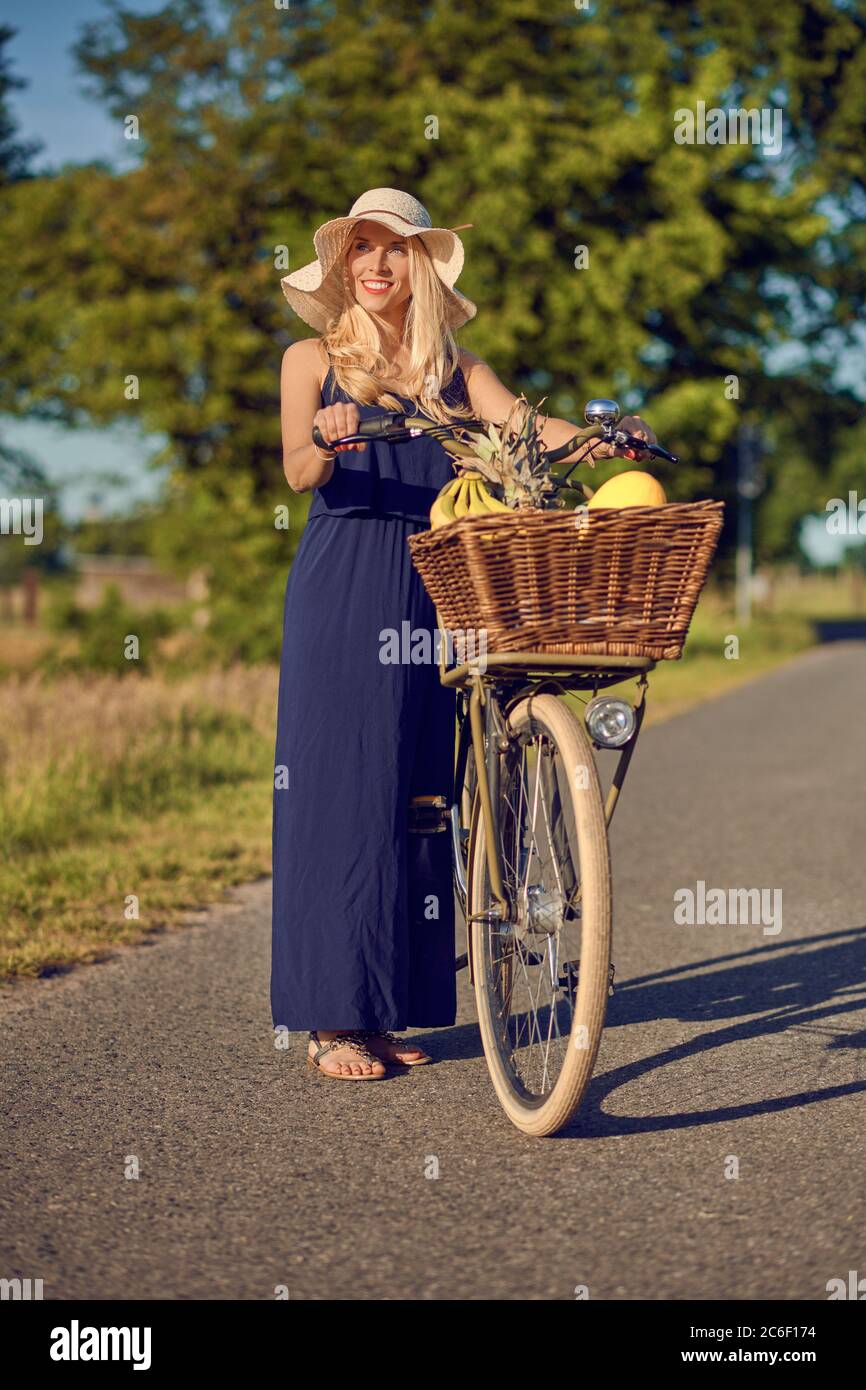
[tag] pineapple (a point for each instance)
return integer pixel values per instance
(512, 461)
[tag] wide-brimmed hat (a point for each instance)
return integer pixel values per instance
(316, 291)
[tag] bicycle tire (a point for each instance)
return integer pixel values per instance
(541, 1115)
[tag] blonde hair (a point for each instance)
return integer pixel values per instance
(352, 343)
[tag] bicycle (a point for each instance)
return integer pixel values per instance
(529, 830)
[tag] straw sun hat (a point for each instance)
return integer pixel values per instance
(316, 291)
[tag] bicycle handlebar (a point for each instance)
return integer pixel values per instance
(620, 438)
(396, 428)
(373, 428)
(632, 442)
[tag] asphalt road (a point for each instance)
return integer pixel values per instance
(722, 1042)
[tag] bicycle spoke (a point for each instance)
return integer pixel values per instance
(526, 970)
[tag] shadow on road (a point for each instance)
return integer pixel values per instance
(804, 985)
(800, 985)
(783, 976)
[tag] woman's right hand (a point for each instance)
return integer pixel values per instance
(335, 421)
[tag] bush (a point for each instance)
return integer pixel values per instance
(113, 637)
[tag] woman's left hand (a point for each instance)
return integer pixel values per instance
(632, 424)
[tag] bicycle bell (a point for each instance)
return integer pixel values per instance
(601, 411)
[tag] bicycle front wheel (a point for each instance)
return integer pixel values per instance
(541, 977)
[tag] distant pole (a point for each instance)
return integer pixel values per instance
(30, 585)
(748, 487)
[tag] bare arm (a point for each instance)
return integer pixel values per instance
(491, 400)
(301, 408)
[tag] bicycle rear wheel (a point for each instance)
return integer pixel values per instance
(541, 977)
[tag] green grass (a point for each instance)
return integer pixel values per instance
(113, 788)
(777, 632)
(69, 904)
(708, 666)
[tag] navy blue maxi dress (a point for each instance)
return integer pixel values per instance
(363, 912)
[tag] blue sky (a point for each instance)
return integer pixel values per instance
(93, 468)
(52, 106)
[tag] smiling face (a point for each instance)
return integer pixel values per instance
(378, 263)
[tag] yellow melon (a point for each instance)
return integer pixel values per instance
(632, 489)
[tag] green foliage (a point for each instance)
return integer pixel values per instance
(849, 463)
(103, 634)
(555, 131)
(23, 482)
(233, 531)
(124, 535)
(855, 557)
(64, 614)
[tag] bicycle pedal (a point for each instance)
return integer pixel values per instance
(428, 815)
(569, 976)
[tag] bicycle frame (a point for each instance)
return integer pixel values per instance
(488, 695)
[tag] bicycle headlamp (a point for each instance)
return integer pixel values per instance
(611, 723)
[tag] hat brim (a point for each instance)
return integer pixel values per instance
(315, 292)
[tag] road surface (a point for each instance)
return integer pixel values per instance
(729, 1050)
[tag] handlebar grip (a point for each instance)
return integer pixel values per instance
(371, 428)
(375, 425)
(631, 441)
(661, 453)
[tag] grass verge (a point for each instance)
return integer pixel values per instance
(125, 796)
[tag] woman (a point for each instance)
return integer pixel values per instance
(363, 909)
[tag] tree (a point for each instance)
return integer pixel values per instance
(549, 129)
(15, 155)
(20, 475)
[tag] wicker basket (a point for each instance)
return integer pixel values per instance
(608, 582)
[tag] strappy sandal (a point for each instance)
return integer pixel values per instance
(354, 1042)
(401, 1042)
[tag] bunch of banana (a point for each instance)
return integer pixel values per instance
(467, 495)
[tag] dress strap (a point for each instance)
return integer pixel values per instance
(456, 391)
(464, 389)
(328, 387)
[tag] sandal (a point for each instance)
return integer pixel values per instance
(410, 1047)
(354, 1042)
